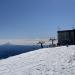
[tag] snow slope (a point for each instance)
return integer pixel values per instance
(47, 61)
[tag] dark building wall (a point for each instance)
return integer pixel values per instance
(66, 36)
(74, 37)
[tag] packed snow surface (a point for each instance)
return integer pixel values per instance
(47, 61)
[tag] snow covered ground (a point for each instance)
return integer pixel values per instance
(47, 61)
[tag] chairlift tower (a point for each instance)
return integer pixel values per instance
(52, 40)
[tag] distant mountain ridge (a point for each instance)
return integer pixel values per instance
(7, 44)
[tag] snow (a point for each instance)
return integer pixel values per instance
(47, 61)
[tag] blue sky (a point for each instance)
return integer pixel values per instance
(21, 19)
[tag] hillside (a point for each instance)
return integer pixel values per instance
(47, 61)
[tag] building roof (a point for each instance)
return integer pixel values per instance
(66, 30)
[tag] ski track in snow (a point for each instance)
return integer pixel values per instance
(47, 61)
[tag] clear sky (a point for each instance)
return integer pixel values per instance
(35, 18)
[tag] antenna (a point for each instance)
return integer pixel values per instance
(73, 27)
(58, 28)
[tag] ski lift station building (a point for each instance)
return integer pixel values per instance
(66, 36)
